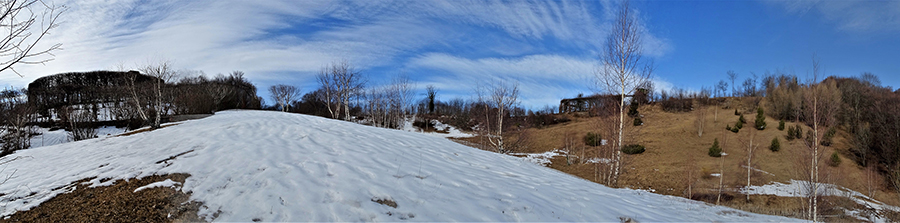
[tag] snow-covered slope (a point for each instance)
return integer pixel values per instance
(276, 166)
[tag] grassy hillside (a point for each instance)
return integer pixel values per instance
(676, 157)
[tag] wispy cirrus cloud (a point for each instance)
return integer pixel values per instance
(856, 16)
(545, 45)
(543, 79)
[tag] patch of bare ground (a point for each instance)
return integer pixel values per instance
(117, 203)
(146, 129)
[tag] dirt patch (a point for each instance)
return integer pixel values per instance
(117, 203)
(385, 201)
(146, 129)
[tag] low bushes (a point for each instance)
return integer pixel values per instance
(592, 139)
(633, 149)
(835, 159)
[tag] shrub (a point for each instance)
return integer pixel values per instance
(638, 121)
(780, 125)
(775, 145)
(715, 150)
(760, 119)
(735, 129)
(826, 139)
(736, 112)
(739, 125)
(592, 139)
(633, 149)
(798, 132)
(742, 119)
(728, 127)
(790, 133)
(835, 159)
(633, 110)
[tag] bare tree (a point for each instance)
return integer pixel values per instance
(823, 100)
(79, 123)
(149, 101)
(401, 104)
(18, 19)
(732, 76)
(750, 149)
(700, 115)
(721, 87)
(502, 98)
(341, 82)
(284, 95)
(327, 85)
(622, 68)
(722, 167)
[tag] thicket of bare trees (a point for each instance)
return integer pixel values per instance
(15, 118)
(622, 67)
(340, 82)
(79, 123)
(388, 106)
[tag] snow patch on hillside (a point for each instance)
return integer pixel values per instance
(275, 166)
(59, 136)
(798, 188)
(446, 130)
(165, 183)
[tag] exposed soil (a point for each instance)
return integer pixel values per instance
(116, 203)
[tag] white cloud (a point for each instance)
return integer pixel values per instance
(291, 40)
(853, 16)
(544, 79)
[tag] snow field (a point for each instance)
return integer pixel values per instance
(277, 166)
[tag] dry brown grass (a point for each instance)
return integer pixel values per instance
(677, 156)
(116, 203)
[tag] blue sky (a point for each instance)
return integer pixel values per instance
(548, 47)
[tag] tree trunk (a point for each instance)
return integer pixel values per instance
(749, 157)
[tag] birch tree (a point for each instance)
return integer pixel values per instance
(823, 100)
(341, 83)
(149, 100)
(622, 67)
(503, 98)
(750, 149)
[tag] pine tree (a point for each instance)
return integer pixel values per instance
(715, 150)
(760, 119)
(775, 145)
